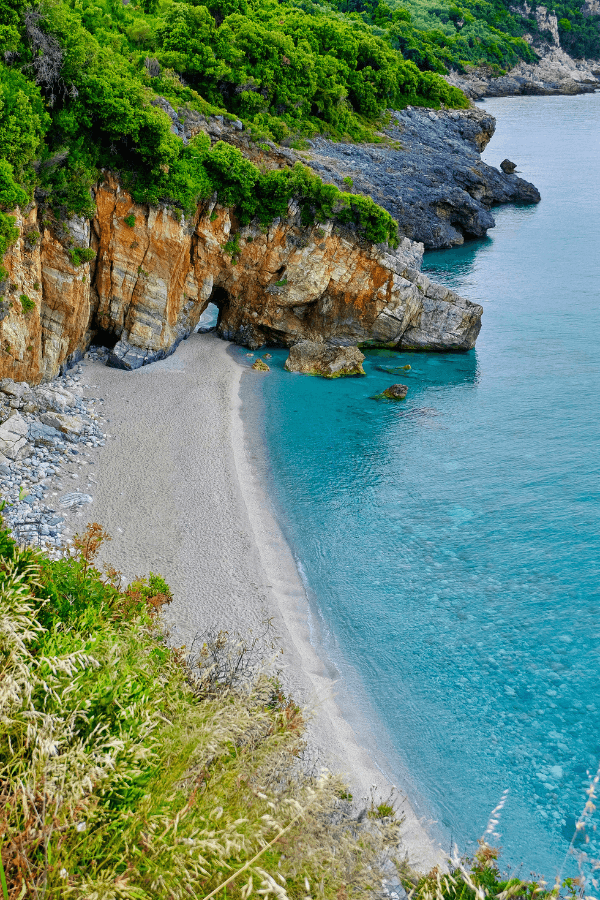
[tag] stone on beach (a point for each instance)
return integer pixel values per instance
(31, 450)
(75, 498)
(13, 438)
(71, 426)
(42, 435)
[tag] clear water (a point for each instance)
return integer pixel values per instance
(451, 541)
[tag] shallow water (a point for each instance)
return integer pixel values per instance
(450, 542)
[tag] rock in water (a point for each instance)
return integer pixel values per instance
(396, 392)
(507, 166)
(260, 366)
(315, 358)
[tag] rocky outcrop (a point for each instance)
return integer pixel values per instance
(318, 358)
(554, 73)
(428, 175)
(48, 304)
(590, 8)
(154, 273)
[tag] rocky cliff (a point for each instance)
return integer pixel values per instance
(555, 72)
(428, 174)
(153, 273)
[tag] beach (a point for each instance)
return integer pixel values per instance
(177, 490)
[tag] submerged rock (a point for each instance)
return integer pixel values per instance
(314, 358)
(394, 392)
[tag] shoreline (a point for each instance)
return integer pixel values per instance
(180, 494)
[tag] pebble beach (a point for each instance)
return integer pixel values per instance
(161, 462)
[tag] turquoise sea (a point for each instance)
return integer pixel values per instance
(451, 543)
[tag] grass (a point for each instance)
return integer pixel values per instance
(132, 770)
(129, 769)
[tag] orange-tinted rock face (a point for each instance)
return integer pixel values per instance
(47, 301)
(155, 274)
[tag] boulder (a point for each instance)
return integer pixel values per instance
(14, 389)
(70, 426)
(396, 392)
(13, 438)
(260, 366)
(315, 358)
(43, 435)
(54, 398)
(507, 166)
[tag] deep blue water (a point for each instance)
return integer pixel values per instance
(451, 542)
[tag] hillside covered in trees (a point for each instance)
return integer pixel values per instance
(79, 82)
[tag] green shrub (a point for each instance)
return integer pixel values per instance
(129, 220)
(32, 238)
(81, 255)
(232, 247)
(27, 304)
(151, 774)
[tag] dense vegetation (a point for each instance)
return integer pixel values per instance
(79, 81)
(438, 34)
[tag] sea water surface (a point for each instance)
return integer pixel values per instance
(451, 543)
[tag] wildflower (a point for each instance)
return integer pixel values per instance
(63, 873)
(81, 826)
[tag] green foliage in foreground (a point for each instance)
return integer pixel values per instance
(130, 771)
(124, 775)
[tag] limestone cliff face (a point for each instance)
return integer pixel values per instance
(47, 309)
(154, 274)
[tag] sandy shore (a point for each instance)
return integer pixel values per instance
(177, 490)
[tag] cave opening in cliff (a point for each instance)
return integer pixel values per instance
(209, 318)
(218, 299)
(104, 338)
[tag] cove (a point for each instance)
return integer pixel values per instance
(450, 542)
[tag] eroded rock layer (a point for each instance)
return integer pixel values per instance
(153, 274)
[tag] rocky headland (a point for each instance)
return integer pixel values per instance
(428, 174)
(137, 278)
(153, 273)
